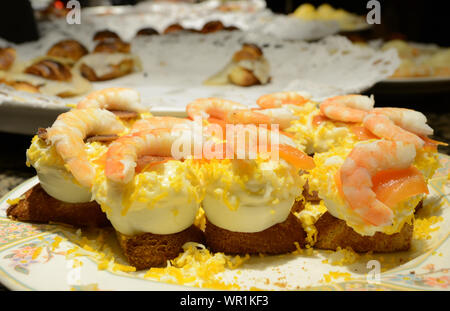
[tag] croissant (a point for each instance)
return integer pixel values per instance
(212, 26)
(21, 86)
(50, 69)
(105, 34)
(231, 28)
(243, 77)
(118, 70)
(147, 32)
(7, 58)
(249, 51)
(112, 45)
(71, 49)
(173, 28)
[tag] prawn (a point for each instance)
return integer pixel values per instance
(347, 108)
(70, 129)
(226, 110)
(410, 120)
(123, 154)
(383, 127)
(283, 116)
(277, 100)
(358, 169)
(256, 138)
(158, 123)
(235, 113)
(116, 99)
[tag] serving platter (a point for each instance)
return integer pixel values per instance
(40, 257)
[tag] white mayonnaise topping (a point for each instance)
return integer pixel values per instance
(162, 201)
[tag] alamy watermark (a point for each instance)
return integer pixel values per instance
(74, 15)
(373, 276)
(374, 15)
(229, 141)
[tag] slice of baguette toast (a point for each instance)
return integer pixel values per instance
(334, 233)
(38, 206)
(278, 239)
(148, 250)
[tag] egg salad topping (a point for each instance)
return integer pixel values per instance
(301, 128)
(161, 200)
(308, 217)
(427, 163)
(249, 195)
(320, 137)
(40, 153)
(53, 174)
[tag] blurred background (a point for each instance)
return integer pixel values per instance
(415, 20)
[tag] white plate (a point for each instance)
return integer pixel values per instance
(33, 258)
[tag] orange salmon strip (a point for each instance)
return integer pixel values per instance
(296, 157)
(394, 186)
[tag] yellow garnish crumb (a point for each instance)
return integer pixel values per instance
(199, 267)
(14, 201)
(200, 219)
(88, 248)
(56, 242)
(103, 265)
(308, 217)
(36, 253)
(334, 275)
(343, 256)
(424, 227)
(77, 263)
(123, 268)
(298, 249)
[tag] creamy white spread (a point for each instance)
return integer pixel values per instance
(251, 199)
(164, 200)
(54, 177)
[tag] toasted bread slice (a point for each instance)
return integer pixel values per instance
(38, 206)
(148, 250)
(334, 233)
(278, 239)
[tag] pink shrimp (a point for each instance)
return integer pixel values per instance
(122, 155)
(347, 108)
(234, 113)
(277, 100)
(408, 119)
(248, 140)
(121, 99)
(159, 123)
(226, 110)
(283, 116)
(70, 129)
(383, 127)
(364, 162)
